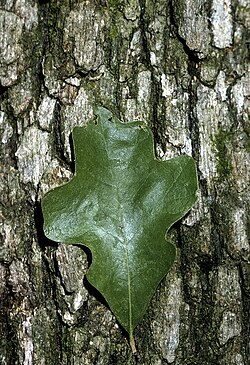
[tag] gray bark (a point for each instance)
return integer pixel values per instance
(182, 67)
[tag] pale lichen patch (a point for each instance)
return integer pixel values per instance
(241, 171)
(10, 47)
(176, 115)
(214, 121)
(222, 23)
(75, 294)
(227, 292)
(165, 328)
(168, 85)
(240, 93)
(28, 11)
(132, 12)
(34, 144)
(27, 341)
(194, 27)
(9, 237)
(138, 109)
(83, 31)
(229, 328)
(5, 128)
(45, 112)
(77, 114)
(239, 244)
(221, 86)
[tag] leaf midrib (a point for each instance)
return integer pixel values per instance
(124, 236)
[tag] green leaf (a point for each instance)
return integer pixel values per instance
(120, 203)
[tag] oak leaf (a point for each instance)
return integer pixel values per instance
(120, 204)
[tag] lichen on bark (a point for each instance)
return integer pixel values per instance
(183, 68)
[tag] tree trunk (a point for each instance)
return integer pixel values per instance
(181, 66)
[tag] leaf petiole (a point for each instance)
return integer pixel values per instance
(132, 343)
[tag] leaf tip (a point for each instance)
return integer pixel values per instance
(102, 112)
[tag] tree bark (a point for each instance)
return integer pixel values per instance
(182, 66)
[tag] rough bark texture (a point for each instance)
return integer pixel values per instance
(183, 67)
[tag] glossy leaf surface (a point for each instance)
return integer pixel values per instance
(120, 203)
